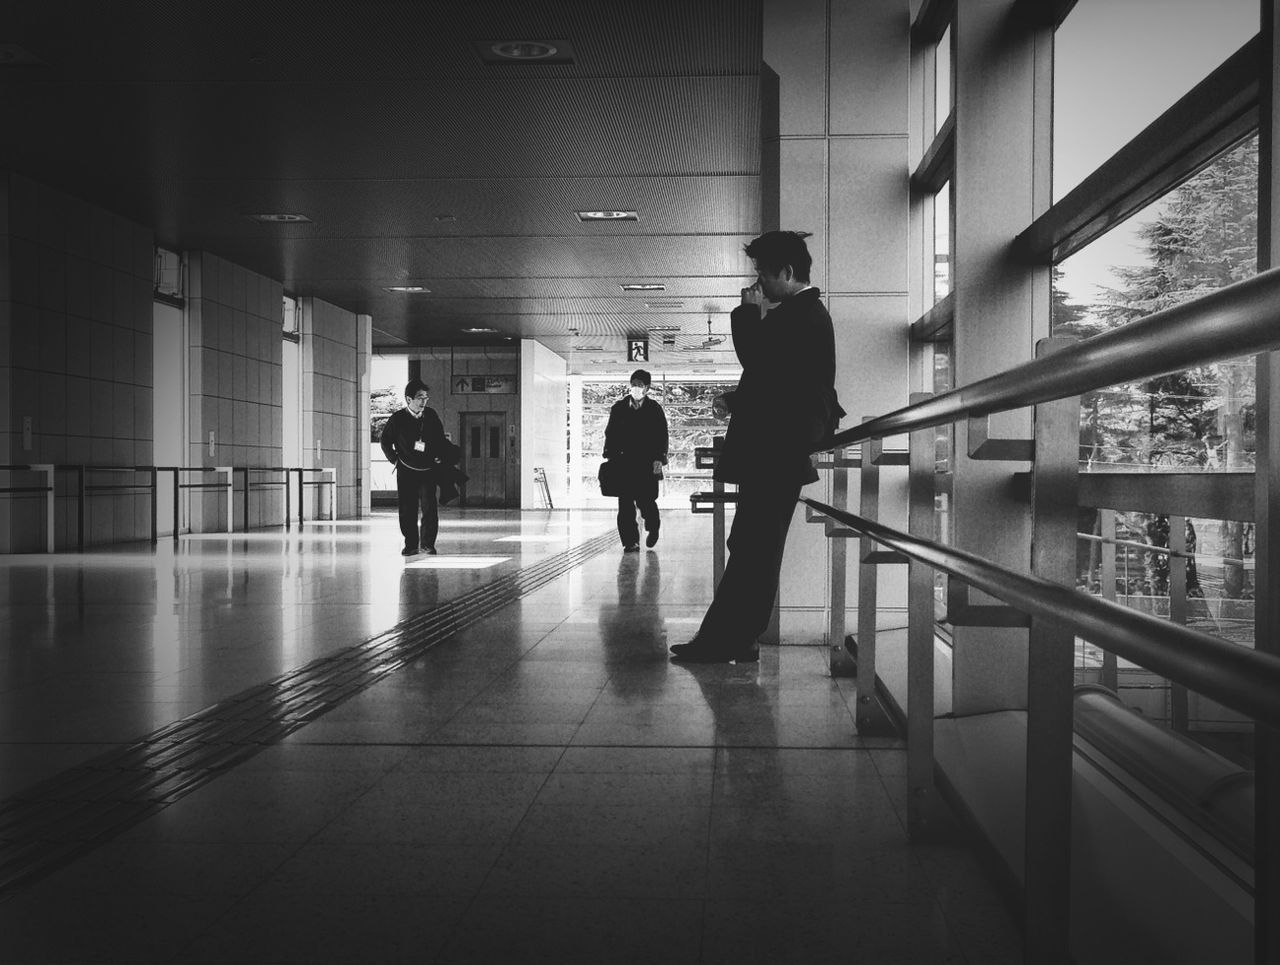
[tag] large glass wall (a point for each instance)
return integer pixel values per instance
(1200, 236)
(690, 424)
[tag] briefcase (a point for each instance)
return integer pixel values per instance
(612, 479)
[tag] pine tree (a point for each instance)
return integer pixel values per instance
(1204, 239)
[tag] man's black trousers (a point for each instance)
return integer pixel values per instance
(743, 601)
(628, 530)
(414, 491)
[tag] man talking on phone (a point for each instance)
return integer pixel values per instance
(784, 407)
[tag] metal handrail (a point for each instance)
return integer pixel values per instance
(1242, 679)
(1240, 319)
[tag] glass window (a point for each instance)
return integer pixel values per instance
(690, 425)
(942, 81)
(1154, 51)
(1201, 236)
(942, 243)
(1128, 558)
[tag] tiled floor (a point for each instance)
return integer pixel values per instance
(544, 786)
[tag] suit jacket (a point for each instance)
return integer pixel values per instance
(637, 438)
(785, 405)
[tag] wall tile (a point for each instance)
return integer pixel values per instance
(122, 354)
(26, 335)
(52, 349)
(25, 280)
(102, 359)
(102, 287)
(53, 278)
(123, 311)
(53, 404)
(79, 286)
(101, 401)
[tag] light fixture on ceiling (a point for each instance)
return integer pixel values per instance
(525, 51)
(481, 331)
(279, 217)
(407, 290)
(639, 287)
(607, 216)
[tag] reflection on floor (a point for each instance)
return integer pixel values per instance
(541, 786)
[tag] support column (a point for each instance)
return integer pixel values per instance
(839, 71)
(1003, 78)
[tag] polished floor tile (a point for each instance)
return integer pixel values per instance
(541, 786)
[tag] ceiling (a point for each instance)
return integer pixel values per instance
(417, 162)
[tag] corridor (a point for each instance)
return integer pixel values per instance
(539, 784)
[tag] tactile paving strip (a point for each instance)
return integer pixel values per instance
(56, 821)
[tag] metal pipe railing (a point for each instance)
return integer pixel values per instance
(1242, 679)
(1241, 319)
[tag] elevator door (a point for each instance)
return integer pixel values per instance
(484, 446)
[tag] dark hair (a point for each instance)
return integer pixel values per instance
(414, 387)
(774, 250)
(643, 376)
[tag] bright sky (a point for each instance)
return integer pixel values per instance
(1118, 65)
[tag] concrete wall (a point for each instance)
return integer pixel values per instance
(543, 420)
(332, 365)
(234, 384)
(75, 358)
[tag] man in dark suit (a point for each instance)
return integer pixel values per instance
(636, 436)
(784, 407)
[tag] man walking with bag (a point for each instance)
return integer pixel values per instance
(636, 436)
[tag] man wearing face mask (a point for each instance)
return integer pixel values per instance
(636, 436)
(413, 441)
(784, 407)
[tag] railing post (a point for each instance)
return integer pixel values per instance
(50, 506)
(155, 507)
(1178, 709)
(922, 802)
(231, 495)
(1107, 530)
(1050, 682)
(869, 716)
(177, 508)
(841, 662)
(333, 493)
(245, 470)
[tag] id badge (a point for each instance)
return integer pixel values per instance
(420, 446)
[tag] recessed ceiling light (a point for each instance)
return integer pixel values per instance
(481, 331)
(278, 218)
(525, 51)
(643, 288)
(607, 216)
(408, 290)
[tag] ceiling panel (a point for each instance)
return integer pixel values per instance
(379, 119)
